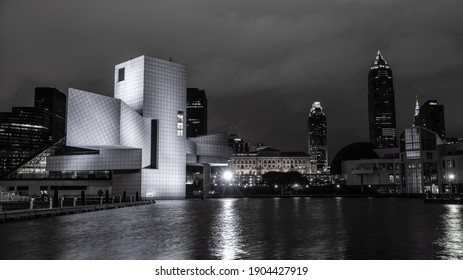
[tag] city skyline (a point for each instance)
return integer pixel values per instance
(271, 61)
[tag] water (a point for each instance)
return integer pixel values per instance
(246, 228)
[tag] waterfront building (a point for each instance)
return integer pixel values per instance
(317, 139)
(26, 131)
(249, 167)
(431, 116)
(451, 167)
(196, 112)
(134, 143)
(420, 158)
(381, 104)
(361, 166)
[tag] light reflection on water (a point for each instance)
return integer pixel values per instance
(246, 228)
(451, 242)
(228, 243)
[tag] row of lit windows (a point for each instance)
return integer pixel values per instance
(269, 166)
(270, 161)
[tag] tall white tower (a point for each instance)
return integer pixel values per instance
(156, 89)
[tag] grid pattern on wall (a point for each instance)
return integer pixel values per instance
(136, 132)
(161, 87)
(107, 159)
(92, 119)
(130, 89)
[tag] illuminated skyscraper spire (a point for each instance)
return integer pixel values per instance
(417, 107)
(379, 62)
(317, 139)
(381, 104)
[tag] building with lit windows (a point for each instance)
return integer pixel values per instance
(26, 131)
(134, 142)
(420, 160)
(431, 116)
(317, 139)
(196, 112)
(238, 145)
(361, 166)
(54, 102)
(249, 167)
(381, 104)
(451, 167)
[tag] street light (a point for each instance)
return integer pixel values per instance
(227, 175)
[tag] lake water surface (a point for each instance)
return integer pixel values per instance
(246, 228)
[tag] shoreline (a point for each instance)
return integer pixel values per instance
(27, 214)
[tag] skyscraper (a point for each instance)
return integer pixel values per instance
(196, 112)
(381, 104)
(26, 131)
(316, 130)
(54, 102)
(431, 116)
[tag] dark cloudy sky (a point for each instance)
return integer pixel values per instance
(261, 62)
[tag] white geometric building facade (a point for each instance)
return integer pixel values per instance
(140, 135)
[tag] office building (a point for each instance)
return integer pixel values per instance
(196, 112)
(431, 116)
(419, 160)
(317, 139)
(381, 104)
(54, 102)
(27, 131)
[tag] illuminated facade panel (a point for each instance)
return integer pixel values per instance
(93, 119)
(156, 89)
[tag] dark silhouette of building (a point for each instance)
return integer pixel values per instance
(196, 111)
(239, 145)
(26, 131)
(316, 130)
(354, 151)
(381, 104)
(54, 102)
(431, 116)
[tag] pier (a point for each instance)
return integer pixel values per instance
(22, 214)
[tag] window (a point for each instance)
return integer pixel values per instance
(180, 123)
(121, 75)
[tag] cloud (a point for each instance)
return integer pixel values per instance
(262, 63)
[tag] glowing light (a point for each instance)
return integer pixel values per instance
(228, 175)
(451, 176)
